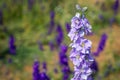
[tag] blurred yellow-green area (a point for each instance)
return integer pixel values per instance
(28, 28)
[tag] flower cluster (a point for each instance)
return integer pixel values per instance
(37, 75)
(12, 46)
(64, 62)
(80, 53)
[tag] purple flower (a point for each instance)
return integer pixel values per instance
(64, 62)
(67, 27)
(37, 75)
(36, 72)
(116, 6)
(52, 15)
(52, 23)
(81, 54)
(101, 17)
(62, 55)
(44, 76)
(82, 45)
(101, 44)
(12, 47)
(44, 65)
(60, 35)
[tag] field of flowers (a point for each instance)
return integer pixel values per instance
(34, 41)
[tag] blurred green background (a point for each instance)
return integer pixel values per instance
(29, 22)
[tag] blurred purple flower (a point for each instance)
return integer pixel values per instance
(44, 76)
(52, 23)
(36, 72)
(44, 65)
(116, 6)
(59, 36)
(62, 55)
(12, 47)
(68, 27)
(101, 17)
(64, 62)
(52, 15)
(37, 75)
(101, 44)
(51, 44)
(40, 46)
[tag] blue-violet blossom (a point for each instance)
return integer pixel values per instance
(81, 48)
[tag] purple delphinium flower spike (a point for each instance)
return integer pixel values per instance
(44, 76)
(52, 23)
(59, 36)
(67, 27)
(81, 48)
(44, 65)
(12, 47)
(116, 6)
(64, 62)
(52, 15)
(36, 72)
(101, 44)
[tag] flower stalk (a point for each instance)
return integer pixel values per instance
(80, 54)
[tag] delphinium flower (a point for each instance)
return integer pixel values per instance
(60, 35)
(36, 72)
(116, 6)
(64, 62)
(101, 44)
(81, 48)
(43, 74)
(67, 27)
(52, 23)
(44, 65)
(12, 47)
(37, 75)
